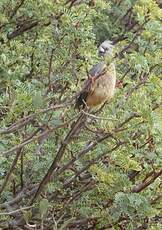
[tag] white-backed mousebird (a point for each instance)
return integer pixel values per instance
(101, 82)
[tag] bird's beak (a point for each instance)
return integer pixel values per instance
(101, 52)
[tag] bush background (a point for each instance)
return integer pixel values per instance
(109, 174)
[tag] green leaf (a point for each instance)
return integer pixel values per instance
(27, 215)
(37, 100)
(43, 207)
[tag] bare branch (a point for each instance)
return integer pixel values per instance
(25, 142)
(10, 170)
(23, 28)
(15, 211)
(138, 188)
(26, 120)
(75, 126)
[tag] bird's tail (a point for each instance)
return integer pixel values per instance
(80, 100)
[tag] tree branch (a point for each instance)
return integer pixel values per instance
(140, 187)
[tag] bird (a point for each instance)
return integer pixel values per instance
(101, 82)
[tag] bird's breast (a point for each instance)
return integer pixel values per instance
(103, 88)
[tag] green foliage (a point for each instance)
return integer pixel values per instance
(132, 205)
(110, 173)
(43, 207)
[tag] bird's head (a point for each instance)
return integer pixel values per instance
(106, 49)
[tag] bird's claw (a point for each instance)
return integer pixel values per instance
(92, 79)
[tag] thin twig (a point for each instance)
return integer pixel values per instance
(15, 211)
(138, 188)
(10, 170)
(26, 120)
(97, 117)
(35, 138)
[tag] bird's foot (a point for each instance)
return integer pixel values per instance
(92, 79)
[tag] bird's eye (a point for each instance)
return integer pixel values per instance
(83, 79)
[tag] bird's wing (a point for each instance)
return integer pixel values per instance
(94, 73)
(81, 99)
(97, 69)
